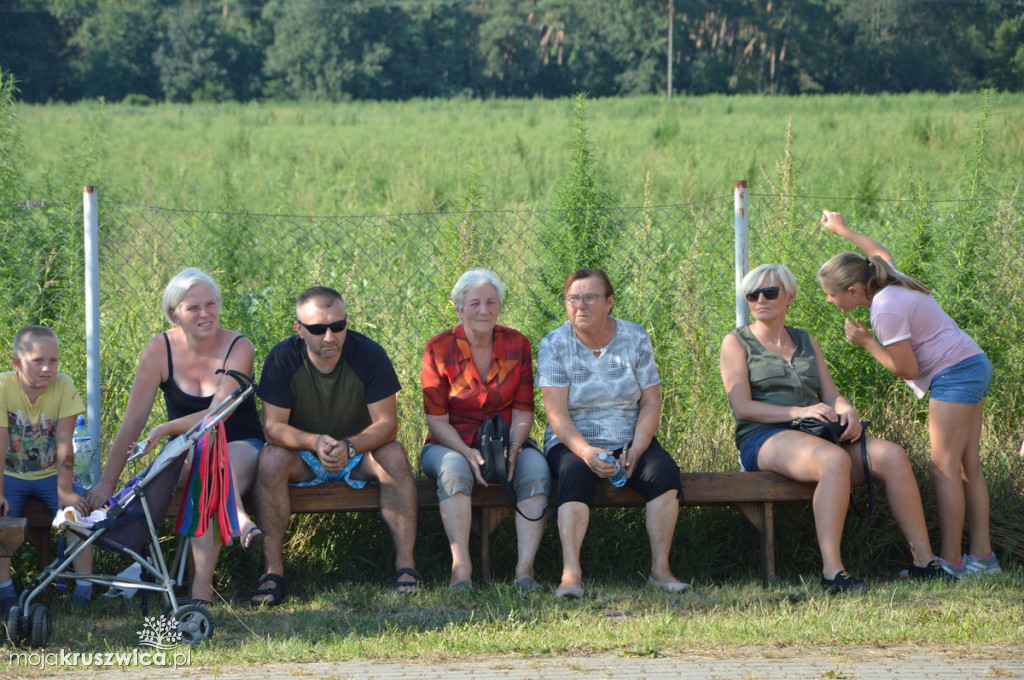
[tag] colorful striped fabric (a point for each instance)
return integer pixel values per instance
(209, 493)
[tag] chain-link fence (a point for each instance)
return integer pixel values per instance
(672, 267)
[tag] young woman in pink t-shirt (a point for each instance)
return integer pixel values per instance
(920, 343)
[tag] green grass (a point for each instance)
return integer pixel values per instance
(362, 621)
(384, 158)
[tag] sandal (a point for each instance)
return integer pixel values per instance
(276, 591)
(252, 538)
(414, 585)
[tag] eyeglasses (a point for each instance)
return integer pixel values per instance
(321, 328)
(770, 293)
(587, 299)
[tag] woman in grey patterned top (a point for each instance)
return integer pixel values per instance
(602, 395)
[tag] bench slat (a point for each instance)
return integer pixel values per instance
(699, 488)
(753, 493)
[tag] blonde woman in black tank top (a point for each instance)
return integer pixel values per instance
(182, 362)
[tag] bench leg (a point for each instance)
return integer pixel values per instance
(42, 539)
(486, 520)
(480, 528)
(762, 516)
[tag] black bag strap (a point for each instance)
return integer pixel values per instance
(510, 492)
(867, 474)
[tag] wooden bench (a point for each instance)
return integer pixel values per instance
(755, 494)
(12, 534)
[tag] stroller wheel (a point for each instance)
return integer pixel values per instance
(41, 625)
(168, 610)
(195, 624)
(14, 625)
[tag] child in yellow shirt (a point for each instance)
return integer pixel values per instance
(38, 409)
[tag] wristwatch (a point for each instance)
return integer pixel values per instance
(351, 447)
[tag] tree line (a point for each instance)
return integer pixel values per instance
(336, 50)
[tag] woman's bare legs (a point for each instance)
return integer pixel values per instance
(529, 534)
(807, 458)
(205, 550)
(573, 520)
(456, 516)
(889, 463)
(661, 516)
(960, 488)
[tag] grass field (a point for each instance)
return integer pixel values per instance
(356, 621)
(381, 158)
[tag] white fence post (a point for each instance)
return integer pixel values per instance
(741, 228)
(92, 329)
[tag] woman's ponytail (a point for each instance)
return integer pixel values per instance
(874, 273)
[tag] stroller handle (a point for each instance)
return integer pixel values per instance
(246, 386)
(244, 381)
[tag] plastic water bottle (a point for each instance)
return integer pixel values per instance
(83, 451)
(619, 478)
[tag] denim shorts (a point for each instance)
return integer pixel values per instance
(321, 475)
(964, 383)
(254, 442)
(751, 446)
(20, 491)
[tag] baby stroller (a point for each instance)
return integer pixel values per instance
(130, 528)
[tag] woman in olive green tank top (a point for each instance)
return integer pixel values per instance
(774, 375)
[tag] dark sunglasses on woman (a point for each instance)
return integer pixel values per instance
(770, 293)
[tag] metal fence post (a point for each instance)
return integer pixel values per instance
(92, 328)
(741, 228)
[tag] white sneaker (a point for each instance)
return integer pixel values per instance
(980, 566)
(133, 572)
(955, 571)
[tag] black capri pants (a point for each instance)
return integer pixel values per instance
(655, 474)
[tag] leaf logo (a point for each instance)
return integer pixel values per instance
(160, 632)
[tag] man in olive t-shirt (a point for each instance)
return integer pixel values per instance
(330, 414)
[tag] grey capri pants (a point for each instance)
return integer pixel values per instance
(454, 474)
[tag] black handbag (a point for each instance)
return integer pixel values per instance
(826, 429)
(493, 446)
(832, 431)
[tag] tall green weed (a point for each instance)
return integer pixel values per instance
(11, 148)
(583, 233)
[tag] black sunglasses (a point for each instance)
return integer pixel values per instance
(321, 328)
(770, 293)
